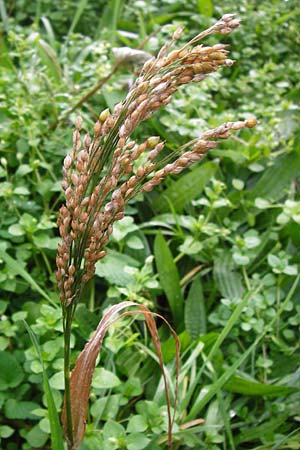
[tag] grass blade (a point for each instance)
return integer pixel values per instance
(228, 280)
(194, 311)
(17, 268)
(221, 337)
(50, 59)
(247, 387)
(79, 11)
(188, 187)
(199, 405)
(55, 427)
(169, 277)
(3, 15)
(277, 178)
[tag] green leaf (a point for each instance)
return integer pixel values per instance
(260, 430)
(228, 280)
(15, 265)
(112, 268)
(106, 407)
(205, 7)
(16, 230)
(137, 441)
(49, 58)
(113, 429)
(215, 348)
(277, 178)
(240, 260)
(56, 430)
(104, 379)
(57, 381)
(243, 386)
(36, 437)
(81, 5)
(20, 409)
(202, 400)
(11, 373)
(188, 187)
(169, 277)
(21, 190)
(137, 424)
(6, 431)
(194, 311)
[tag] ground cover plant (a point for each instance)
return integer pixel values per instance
(214, 250)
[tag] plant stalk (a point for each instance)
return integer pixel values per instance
(67, 338)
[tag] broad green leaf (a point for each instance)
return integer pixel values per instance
(16, 409)
(247, 387)
(277, 178)
(228, 280)
(57, 381)
(56, 430)
(205, 7)
(194, 311)
(136, 441)
(188, 187)
(37, 438)
(113, 429)
(137, 424)
(105, 379)
(11, 373)
(169, 277)
(6, 431)
(16, 230)
(112, 268)
(106, 407)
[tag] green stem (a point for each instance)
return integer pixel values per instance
(67, 338)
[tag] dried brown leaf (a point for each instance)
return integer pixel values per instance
(82, 374)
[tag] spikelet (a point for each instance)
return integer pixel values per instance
(103, 172)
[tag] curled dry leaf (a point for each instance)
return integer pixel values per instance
(82, 374)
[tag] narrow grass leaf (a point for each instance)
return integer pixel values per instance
(17, 268)
(277, 178)
(194, 311)
(50, 59)
(169, 277)
(186, 188)
(81, 5)
(110, 17)
(5, 58)
(243, 386)
(220, 339)
(49, 30)
(203, 400)
(228, 280)
(55, 427)
(258, 431)
(3, 15)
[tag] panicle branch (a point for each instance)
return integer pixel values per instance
(101, 174)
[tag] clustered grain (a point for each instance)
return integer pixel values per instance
(103, 172)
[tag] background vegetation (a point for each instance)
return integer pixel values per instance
(215, 250)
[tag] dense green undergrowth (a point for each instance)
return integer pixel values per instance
(215, 250)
